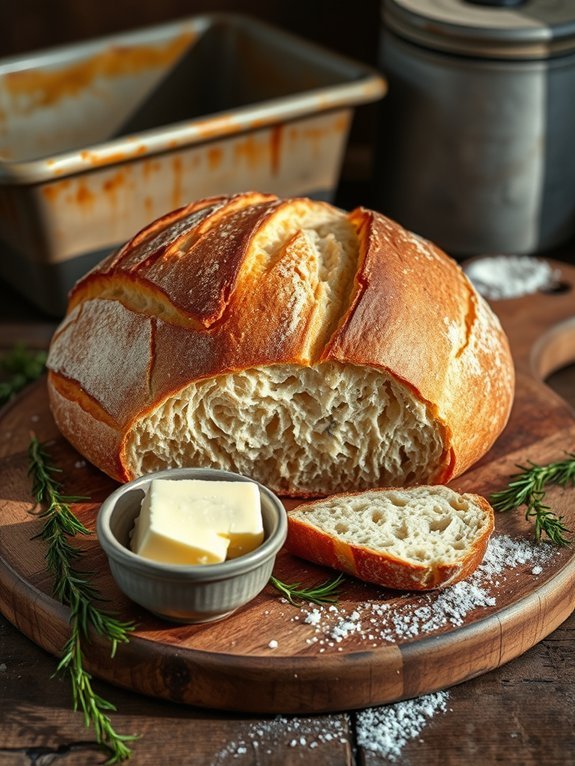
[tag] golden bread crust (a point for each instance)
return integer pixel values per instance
(202, 292)
(417, 315)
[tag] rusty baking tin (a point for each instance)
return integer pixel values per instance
(98, 139)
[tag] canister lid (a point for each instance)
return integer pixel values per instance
(486, 28)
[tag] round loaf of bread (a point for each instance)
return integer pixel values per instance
(311, 349)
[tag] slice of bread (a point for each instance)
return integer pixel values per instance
(418, 538)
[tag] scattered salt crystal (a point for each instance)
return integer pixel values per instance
(297, 732)
(3, 667)
(80, 464)
(506, 552)
(414, 615)
(346, 627)
(35, 418)
(510, 276)
(313, 618)
(386, 730)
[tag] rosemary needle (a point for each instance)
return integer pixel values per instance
(72, 588)
(528, 488)
(325, 593)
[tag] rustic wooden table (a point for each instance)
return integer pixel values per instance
(522, 714)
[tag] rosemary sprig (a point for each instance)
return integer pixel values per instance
(326, 592)
(19, 366)
(73, 589)
(528, 488)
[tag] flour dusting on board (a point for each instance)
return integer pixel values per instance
(380, 621)
(510, 276)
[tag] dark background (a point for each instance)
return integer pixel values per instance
(351, 28)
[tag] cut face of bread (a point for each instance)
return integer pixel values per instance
(321, 429)
(415, 539)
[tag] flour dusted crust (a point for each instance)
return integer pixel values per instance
(315, 350)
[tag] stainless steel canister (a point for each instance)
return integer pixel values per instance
(477, 140)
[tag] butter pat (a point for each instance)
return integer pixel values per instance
(198, 522)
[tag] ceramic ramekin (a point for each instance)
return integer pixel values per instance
(180, 593)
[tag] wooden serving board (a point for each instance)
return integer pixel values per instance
(236, 664)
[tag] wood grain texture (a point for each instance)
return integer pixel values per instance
(520, 714)
(37, 725)
(229, 665)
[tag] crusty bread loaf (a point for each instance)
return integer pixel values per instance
(313, 350)
(417, 538)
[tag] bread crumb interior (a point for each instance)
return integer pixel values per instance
(309, 430)
(423, 526)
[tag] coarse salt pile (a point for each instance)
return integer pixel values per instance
(510, 276)
(386, 730)
(380, 620)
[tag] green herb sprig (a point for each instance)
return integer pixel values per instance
(528, 488)
(325, 593)
(73, 589)
(18, 367)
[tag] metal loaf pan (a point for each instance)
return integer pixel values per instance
(98, 139)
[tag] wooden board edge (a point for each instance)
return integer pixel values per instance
(297, 685)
